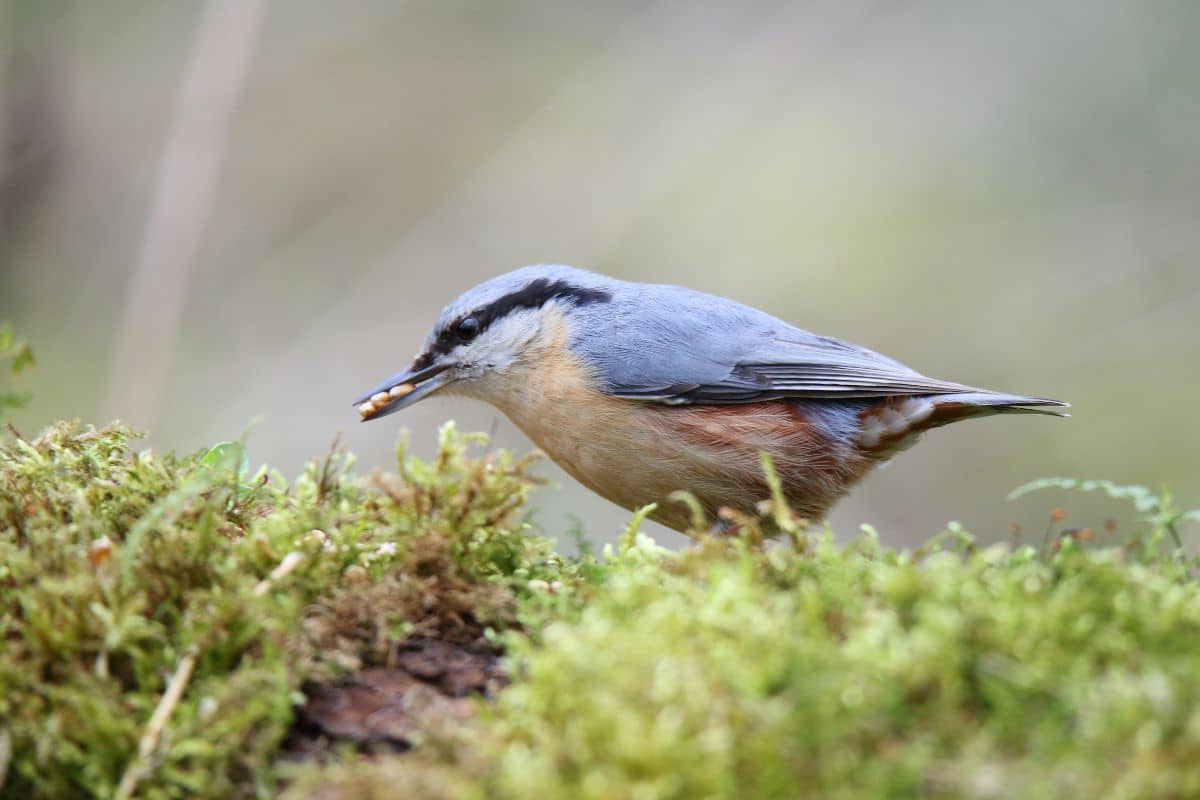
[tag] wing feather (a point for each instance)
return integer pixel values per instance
(820, 367)
(671, 345)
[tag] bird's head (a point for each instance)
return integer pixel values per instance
(488, 334)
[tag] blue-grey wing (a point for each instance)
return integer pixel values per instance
(693, 348)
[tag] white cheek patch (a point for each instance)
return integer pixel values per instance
(892, 424)
(504, 343)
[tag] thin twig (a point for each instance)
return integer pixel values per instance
(325, 481)
(289, 563)
(138, 768)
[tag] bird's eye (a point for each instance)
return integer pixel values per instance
(467, 329)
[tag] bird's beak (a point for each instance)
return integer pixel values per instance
(402, 390)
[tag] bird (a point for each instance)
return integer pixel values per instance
(641, 390)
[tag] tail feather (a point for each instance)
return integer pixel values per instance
(897, 423)
(983, 402)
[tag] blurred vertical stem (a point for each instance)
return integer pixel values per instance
(30, 135)
(181, 205)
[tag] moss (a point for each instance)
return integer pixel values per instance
(843, 671)
(120, 570)
(166, 619)
(862, 674)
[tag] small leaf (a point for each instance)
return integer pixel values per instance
(22, 359)
(227, 456)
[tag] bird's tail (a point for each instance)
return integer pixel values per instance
(962, 405)
(898, 422)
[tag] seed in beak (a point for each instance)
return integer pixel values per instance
(379, 398)
(367, 409)
(400, 390)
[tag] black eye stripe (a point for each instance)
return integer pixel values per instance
(534, 295)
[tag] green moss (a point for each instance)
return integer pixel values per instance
(863, 674)
(160, 616)
(844, 671)
(120, 570)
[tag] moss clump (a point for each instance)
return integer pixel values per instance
(122, 573)
(165, 621)
(842, 672)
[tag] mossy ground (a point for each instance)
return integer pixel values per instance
(169, 625)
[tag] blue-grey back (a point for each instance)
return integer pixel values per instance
(674, 344)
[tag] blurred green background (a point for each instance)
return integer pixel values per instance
(217, 212)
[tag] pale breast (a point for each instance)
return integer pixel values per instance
(635, 453)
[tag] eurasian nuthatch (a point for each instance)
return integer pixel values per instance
(638, 390)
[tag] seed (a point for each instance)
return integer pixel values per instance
(367, 409)
(379, 398)
(400, 390)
